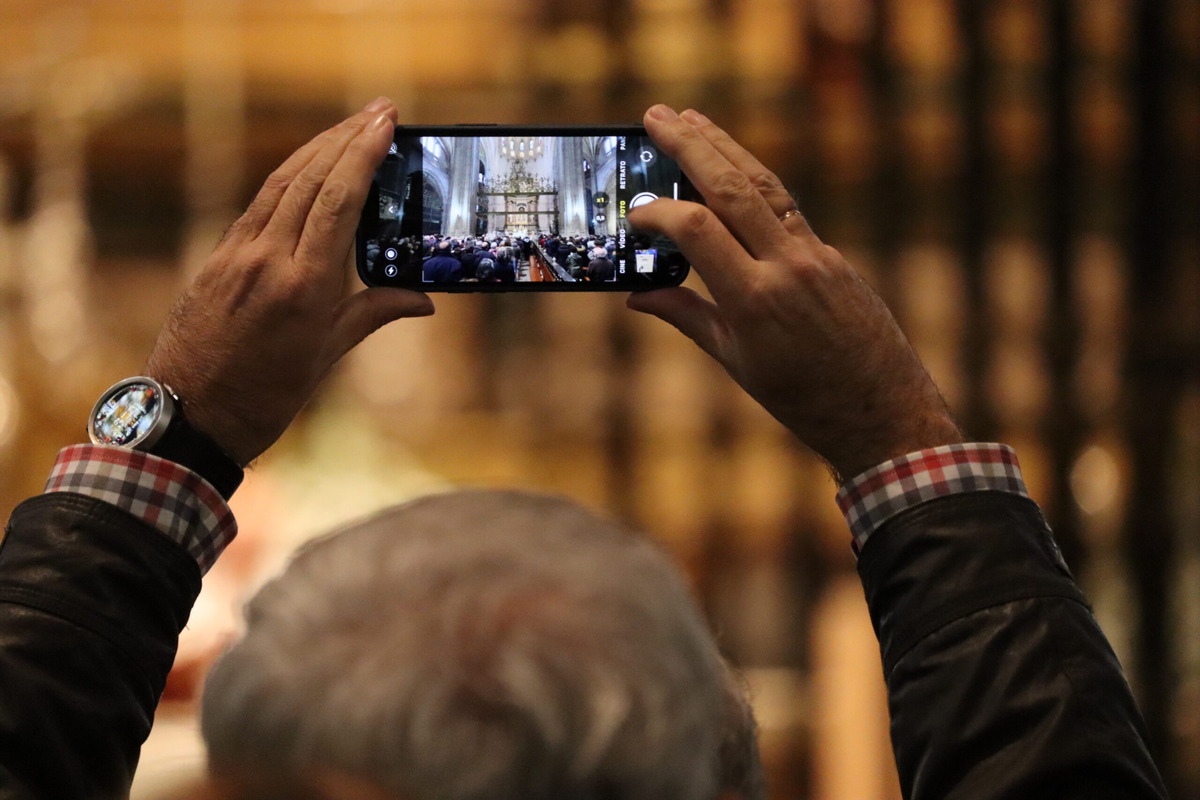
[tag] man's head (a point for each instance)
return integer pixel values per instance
(481, 645)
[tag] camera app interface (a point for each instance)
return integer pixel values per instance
(519, 209)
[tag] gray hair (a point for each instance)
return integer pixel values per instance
(483, 645)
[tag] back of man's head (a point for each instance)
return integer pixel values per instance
(478, 646)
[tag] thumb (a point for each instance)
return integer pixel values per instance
(363, 313)
(696, 318)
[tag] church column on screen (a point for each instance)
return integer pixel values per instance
(571, 191)
(464, 187)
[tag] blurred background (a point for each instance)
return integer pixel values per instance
(1017, 178)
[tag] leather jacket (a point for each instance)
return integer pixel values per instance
(1000, 683)
(92, 601)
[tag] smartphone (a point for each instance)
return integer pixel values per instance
(492, 208)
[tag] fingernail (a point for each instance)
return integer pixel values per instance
(378, 104)
(695, 117)
(379, 122)
(663, 112)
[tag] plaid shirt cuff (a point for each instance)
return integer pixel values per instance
(878, 494)
(163, 494)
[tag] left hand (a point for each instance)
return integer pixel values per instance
(248, 342)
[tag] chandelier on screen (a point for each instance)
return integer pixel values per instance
(521, 147)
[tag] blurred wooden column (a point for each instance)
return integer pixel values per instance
(603, 82)
(918, 65)
(852, 168)
(1064, 426)
(58, 242)
(61, 92)
(10, 410)
(852, 756)
(417, 375)
(1099, 476)
(214, 98)
(976, 221)
(1186, 707)
(1158, 364)
(373, 53)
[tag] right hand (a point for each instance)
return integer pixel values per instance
(790, 320)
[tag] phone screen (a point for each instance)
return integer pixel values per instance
(518, 209)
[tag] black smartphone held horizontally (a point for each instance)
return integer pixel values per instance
(470, 208)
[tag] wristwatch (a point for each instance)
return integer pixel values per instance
(145, 415)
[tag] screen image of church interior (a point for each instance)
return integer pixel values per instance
(518, 209)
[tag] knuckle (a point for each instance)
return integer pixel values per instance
(254, 282)
(256, 260)
(696, 219)
(277, 181)
(333, 197)
(731, 185)
(308, 183)
(293, 292)
(234, 230)
(766, 182)
(283, 298)
(379, 316)
(818, 264)
(830, 258)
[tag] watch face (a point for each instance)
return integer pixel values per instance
(127, 415)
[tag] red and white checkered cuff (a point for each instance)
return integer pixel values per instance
(165, 495)
(880, 493)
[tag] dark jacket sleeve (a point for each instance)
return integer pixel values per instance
(1000, 683)
(92, 601)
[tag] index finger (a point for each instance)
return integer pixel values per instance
(727, 190)
(705, 242)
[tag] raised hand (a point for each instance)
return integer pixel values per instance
(790, 320)
(247, 343)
